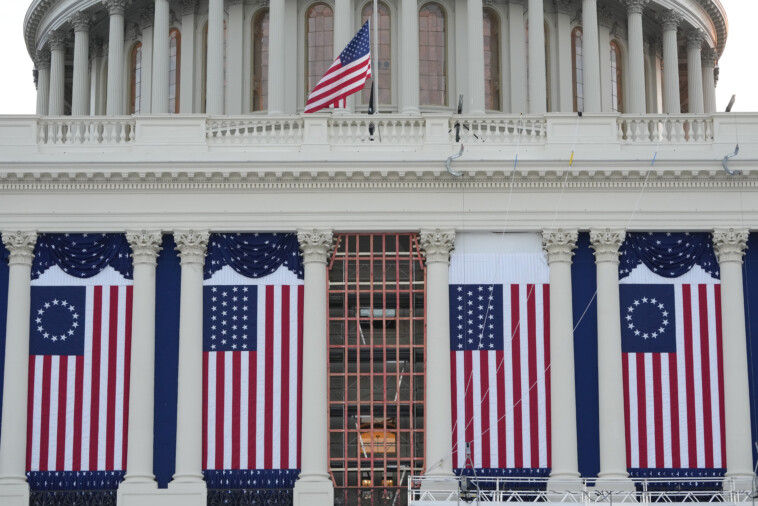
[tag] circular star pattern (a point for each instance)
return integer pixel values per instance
(640, 318)
(50, 318)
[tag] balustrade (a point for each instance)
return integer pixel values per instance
(97, 130)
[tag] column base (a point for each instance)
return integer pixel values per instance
(14, 493)
(186, 491)
(313, 491)
(565, 488)
(144, 494)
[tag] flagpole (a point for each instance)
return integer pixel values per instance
(375, 64)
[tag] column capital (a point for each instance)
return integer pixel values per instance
(670, 19)
(81, 21)
(187, 7)
(147, 16)
(606, 243)
(559, 244)
(565, 6)
(708, 57)
(42, 59)
(192, 245)
(695, 38)
(21, 247)
(116, 7)
(57, 39)
(437, 244)
(635, 6)
(316, 244)
(730, 244)
(146, 244)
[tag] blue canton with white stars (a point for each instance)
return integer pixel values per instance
(648, 318)
(229, 322)
(357, 48)
(254, 255)
(57, 320)
(668, 254)
(476, 317)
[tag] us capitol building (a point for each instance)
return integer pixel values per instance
(542, 152)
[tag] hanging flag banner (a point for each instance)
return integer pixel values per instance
(670, 297)
(500, 354)
(79, 361)
(252, 360)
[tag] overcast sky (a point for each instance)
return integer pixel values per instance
(738, 76)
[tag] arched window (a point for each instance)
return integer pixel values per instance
(384, 72)
(205, 67)
(260, 61)
(432, 55)
(174, 69)
(319, 44)
(135, 79)
(577, 61)
(491, 60)
(617, 100)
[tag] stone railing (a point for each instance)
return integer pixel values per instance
(665, 129)
(256, 130)
(499, 129)
(87, 130)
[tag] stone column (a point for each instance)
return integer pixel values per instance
(98, 86)
(409, 57)
(517, 47)
(80, 93)
(57, 41)
(651, 74)
(591, 57)
(139, 459)
(730, 245)
(709, 80)
(636, 59)
(214, 86)
(188, 476)
(14, 490)
(42, 62)
(537, 76)
(613, 474)
(695, 40)
(605, 23)
(160, 58)
(343, 33)
(276, 42)
(560, 246)
(437, 245)
(314, 486)
(235, 29)
(671, 101)
(564, 11)
(187, 10)
(145, 32)
(475, 93)
(115, 101)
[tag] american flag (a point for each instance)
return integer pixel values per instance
(79, 356)
(500, 351)
(252, 358)
(346, 76)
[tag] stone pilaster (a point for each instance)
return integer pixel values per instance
(409, 80)
(474, 99)
(187, 9)
(42, 62)
(314, 486)
(708, 63)
(591, 56)
(161, 22)
(214, 87)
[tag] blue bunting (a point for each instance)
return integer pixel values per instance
(74, 480)
(82, 255)
(254, 255)
(251, 478)
(668, 254)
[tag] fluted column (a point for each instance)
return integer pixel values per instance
(343, 33)
(537, 77)
(605, 24)
(314, 486)
(564, 11)
(115, 101)
(160, 58)
(276, 42)
(42, 62)
(517, 48)
(409, 62)
(671, 101)
(613, 471)
(591, 56)
(139, 459)
(730, 245)
(144, 33)
(80, 92)
(709, 80)
(214, 87)
(235, 29)
(636, 58)
(57, 41)
(192, 246)
(560, 245)
(475, 93)
(695, 40)
(98, 86)
(187, 10)
(13, 487)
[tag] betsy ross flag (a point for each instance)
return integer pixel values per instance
(672, 354)
(346, 76)
(79, 359)
(252, 358)
(499, 345)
